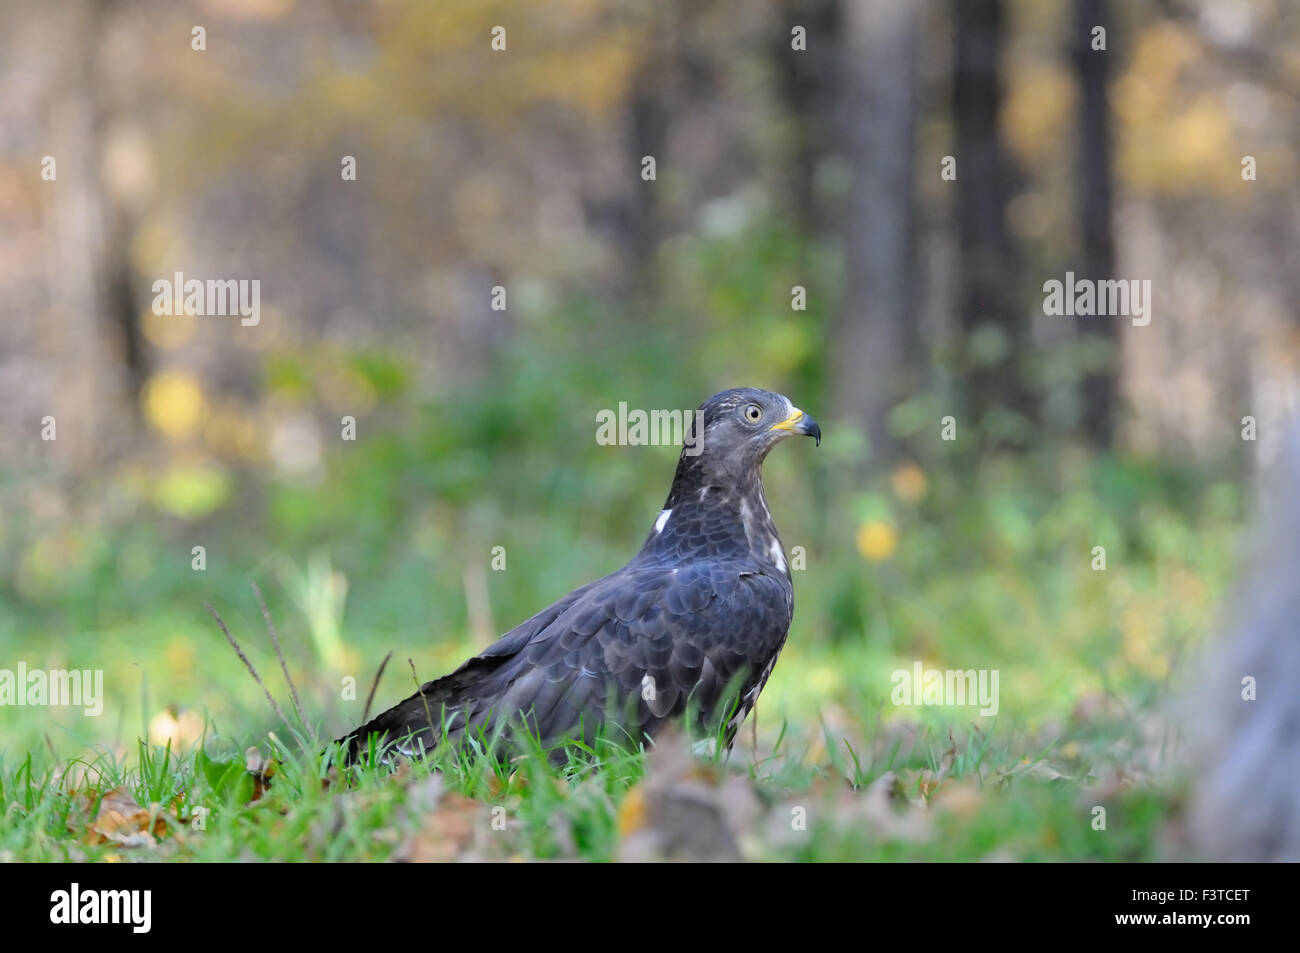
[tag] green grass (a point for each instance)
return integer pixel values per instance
(989, 572)
(993, 571)
(988, 565)
(901, 791)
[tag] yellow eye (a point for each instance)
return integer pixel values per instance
(753, 413)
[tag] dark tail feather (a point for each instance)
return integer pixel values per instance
(407, 723)
(415, 724)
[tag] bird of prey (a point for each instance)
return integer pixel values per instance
(694, 623)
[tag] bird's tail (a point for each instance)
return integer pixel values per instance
(409, 727)
(441, 709)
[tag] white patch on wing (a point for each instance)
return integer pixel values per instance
(778, 556)
(662, 521)
(704, 491)
(747, 520)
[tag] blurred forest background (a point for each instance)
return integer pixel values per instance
(775, 167)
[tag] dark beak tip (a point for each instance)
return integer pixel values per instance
(814, 430)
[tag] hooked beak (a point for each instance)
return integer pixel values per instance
(800, 423)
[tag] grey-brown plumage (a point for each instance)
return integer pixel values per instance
(695, 621)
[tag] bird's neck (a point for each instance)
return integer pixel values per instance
(707, 514)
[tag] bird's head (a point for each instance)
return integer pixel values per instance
(740, 426)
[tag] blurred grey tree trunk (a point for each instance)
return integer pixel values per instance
(641, 228)
(118, 301)
(993, 333)
(808, 82)
(91, 278)
(1094, 194)
(659, 88)
(875, 330)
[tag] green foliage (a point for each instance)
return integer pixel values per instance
(959, 560)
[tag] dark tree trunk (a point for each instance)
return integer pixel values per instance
(91, 277)
(875, 333)
(992, 330)
(120, 302)
(659, 88)
(115, 275)
(1094, 197)
(807, 82)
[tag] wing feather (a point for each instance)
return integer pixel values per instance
(696, 634)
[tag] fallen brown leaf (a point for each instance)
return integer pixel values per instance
(120, 820)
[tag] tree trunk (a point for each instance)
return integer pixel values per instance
(808, 81)
(1094, 196)
(991, 326)
(875, 329)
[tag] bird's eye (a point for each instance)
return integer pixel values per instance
(753, 413)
